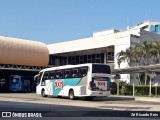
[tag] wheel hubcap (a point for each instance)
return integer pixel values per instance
(43, 93)
(71, 95)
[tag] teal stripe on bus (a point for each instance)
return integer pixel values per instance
(63, 82)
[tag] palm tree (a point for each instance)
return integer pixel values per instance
(120, 60)
(129, 55)
(137, 55)
(155, 50)
(124, 55)
(120, 57)
(144, 50)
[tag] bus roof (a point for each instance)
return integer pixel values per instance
(70, 66)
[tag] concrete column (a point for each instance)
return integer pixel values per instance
(105, 57)
(150, 92)
(117, 88)
(133, 89)
(67, 60)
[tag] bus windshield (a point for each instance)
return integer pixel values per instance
(37, 78)
(97, 68)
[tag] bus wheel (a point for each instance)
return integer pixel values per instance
(43, 93)
(71, 95)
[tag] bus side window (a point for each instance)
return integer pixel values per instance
(67, 73)
(46, 76)
(59, 74)
(83, 72)
(74, 73)
(52, 75)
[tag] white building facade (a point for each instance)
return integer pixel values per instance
(104, 46)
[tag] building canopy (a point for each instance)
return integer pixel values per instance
(138, 69)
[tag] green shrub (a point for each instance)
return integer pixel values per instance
(123, 90)
(140, 90)
(126, 90)
(113, 88)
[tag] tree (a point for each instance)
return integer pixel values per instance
(155, 50)
(144, 50)
(146, 53)
(120, 57)
(124, 55)
(120, 60)
(137, 55)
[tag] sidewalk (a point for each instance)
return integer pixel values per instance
(150, 99)
(120, 97)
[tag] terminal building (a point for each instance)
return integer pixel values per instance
(103, 46)
(27, 58)
(20, 57)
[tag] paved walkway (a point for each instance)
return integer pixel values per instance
(150, 99)
(121, 103)
(111, 98)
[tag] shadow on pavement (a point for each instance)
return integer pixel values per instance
(61, 111)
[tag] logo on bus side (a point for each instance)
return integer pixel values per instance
(101, 83)
(58, 84)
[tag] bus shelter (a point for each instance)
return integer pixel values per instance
(150, 69)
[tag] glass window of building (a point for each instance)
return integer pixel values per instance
(77, 59)
(102, 57)
(81, 60)
(85, 58)
(93, 58)
(89, 58)
(98, 58)
(73, 60)
(110, 56)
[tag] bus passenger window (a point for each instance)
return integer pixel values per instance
(74, 73)
(59, 75)
(82, 72)
(66, 73)
(52, 75)
(46, 76)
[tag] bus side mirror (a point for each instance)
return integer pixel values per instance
(35, 78)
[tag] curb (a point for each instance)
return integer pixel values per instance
(147, 99)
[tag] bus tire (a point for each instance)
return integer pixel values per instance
(71, 94)
(43, 93)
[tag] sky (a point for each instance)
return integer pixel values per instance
(53, 21)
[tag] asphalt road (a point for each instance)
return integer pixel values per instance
(60, 112)
(62, 108)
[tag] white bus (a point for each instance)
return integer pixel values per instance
(73, 81)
